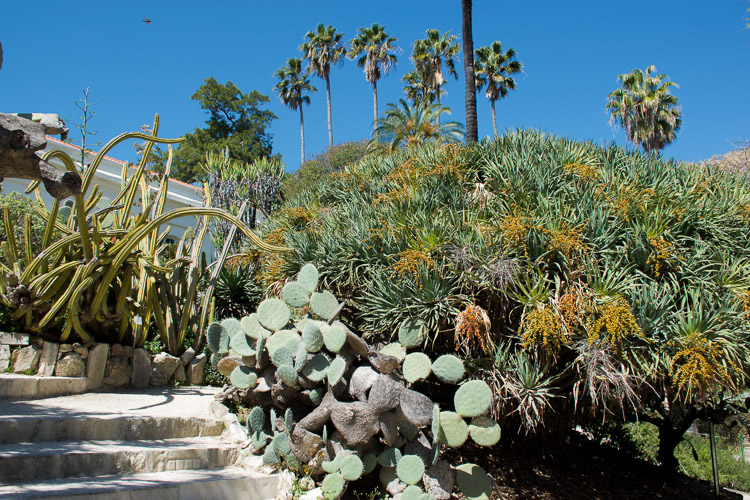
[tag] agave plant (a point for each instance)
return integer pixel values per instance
(104, 272)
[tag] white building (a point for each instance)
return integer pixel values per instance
(107, 176)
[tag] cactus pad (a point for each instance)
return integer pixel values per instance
(243, 377)
(280, 444)
(332, 466)
(473, 482)
(351, 467)
(390, 457)
(316, 368)
(335, 338)
(283, 355)
(308, 278)
(435, 424)
(218, 338)
(323, 304)
(288, 375)
(336, 370)
(258, 439)
(333, 485)
(300, 357)
(215, 358)
(369, 463)
(453, 430)
(270, 457)
(295, 294)
(240, 345)
(256, 419)
(395, 349)
(410, 469)
(484, 431)
(411, 493)
(449, 369)
(316, 395)
(411, 333)
(417, 366)
(473, 398)
(312, 337)
(252, 327)
(273, 314)
(283, 338)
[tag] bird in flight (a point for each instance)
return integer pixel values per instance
(147, 20)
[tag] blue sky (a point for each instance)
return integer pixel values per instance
(572, 53)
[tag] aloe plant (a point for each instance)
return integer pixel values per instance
(103, 272)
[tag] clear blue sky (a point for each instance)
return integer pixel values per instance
(572, 53)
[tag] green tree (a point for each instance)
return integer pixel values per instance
(292, 86)
(319, 167)
(495, 68)
(236, 121)
(417, 88)
(645, 109)
(405, 125)
(434, 52)
(376, 53)
(324, 49)
(472, 134)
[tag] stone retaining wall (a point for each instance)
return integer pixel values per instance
(101, 364)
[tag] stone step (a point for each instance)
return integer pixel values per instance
(38, 461)
(215, 484)
(80, 427)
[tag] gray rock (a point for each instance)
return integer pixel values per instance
(390, 481)
(188, 355)
(195, 369)
(80, 349)
(27, 359)
(163, 366)
(179, 374)
(70, 365)
(439, 480)
(14, 338)
(63, 349)
(118, 371)
(49, 359)
(121, 350)
(95, 365)
(141, 368)
(4, 357)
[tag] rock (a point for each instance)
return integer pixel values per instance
(163, 366)
(141, 368)
(80, 349)
(440, 479)
(195, 369)
(95, 365)
(120, 350)
(226, 365)
(390, 481)
(63, 349)
(117, 371)
(48, 359)
(27, 359)
(14, 338)
(70, 365)
(188, 355)
(179, 374)
(4, 357)
(218, 409)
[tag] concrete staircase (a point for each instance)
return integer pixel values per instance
(161, 444)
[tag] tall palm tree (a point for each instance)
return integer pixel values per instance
(292, 86)
(472, 134)
(324, 49)
(645, 109)
(376, 53)
(495, 68)
(417, 88)
(405, 125)
(431, 53)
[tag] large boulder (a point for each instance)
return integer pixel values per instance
(141, 368)
(70, 365)
(118, 371)
(163, 366)
(27, 359)
(195, 369)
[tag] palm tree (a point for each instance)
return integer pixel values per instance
(472, 134)
(405, 125)
(417, 88)
(292, 86)
(375, 50)
(496, 68)
(324, 49)
(431, 53)
(645, 109)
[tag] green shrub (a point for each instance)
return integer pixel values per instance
(318, 168)
(20, 206)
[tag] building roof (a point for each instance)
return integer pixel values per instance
(120, 162)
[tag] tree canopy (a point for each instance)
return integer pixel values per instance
(236, 121)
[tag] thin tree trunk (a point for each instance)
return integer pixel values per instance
(494, 121)
(438, 101)
(472, 134)
(375, 106)
(302, 133)
(328, 99)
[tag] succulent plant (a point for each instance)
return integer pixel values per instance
(256, 419)
(411, 333)
(273, 314)
(453, 429)
(283, 338)
(417, 366)
(410, 469)
(351, 467)
(484, 431)
(411, 492)
(252, 327)
(288, 375)
(395, 349)
(324, 305)
(389, 457)
(312, 337)
(369, 462)
(308, 278)
(280, 444)
(333, 485)
(474, 482)
(295, 294)
(218, 338)
(316, 368)
(243, 377)
(449, 369)
(270, 457)
(335, 338)
(336, 370)
(334, 465)
(283, 355)
(473, 398)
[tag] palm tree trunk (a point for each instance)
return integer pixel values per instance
(328, 100)
(472, 134)
(302, 133)
(494, 122)
(375, 106)
(438, 101)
